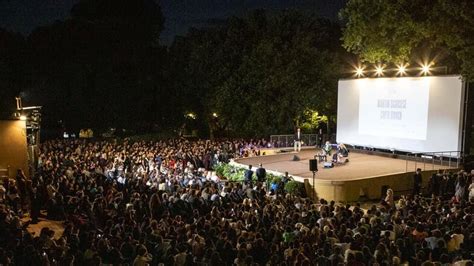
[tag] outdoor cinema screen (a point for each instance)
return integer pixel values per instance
(416, 114)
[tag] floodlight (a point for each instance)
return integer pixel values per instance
(379, 70)
(402, 70)
(425, 69)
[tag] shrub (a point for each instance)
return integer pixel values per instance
(220, 168)
(272, 179)
(295, 188)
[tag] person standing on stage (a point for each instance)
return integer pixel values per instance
(327, 148)
(298, 140)
(417, 182)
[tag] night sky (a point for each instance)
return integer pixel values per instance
(25, 15)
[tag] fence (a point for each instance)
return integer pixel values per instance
(450, 159)
(285, 141)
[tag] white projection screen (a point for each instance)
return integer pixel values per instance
(412, 114)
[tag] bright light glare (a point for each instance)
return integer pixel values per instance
(214, 114)
(402, 69)
(191, 115)
(359, 71)
(425, 69)
(379, 70)
(23, 117)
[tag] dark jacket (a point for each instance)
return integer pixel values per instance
(261, 174)
(248, 175)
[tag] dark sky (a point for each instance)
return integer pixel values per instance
(25, 15)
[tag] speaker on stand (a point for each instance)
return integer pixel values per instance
(313, 167)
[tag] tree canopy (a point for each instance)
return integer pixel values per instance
(255, 75)
(93, 69)
(261, 73)
(397, 31)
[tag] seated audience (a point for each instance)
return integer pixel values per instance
(146, 203)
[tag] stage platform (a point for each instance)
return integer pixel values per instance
(363, 177)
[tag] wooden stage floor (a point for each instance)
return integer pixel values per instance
(360, 166)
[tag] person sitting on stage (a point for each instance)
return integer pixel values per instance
(338, 158)
(327, 148)
(322, 156)
(343, 150)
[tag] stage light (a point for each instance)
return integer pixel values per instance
(402, 70)
(359, 72)
(425, 69)
(23, 117)
(379, 70)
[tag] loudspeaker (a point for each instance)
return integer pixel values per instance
(296, 158)
(313, 165)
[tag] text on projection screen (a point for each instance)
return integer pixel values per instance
(394, 108)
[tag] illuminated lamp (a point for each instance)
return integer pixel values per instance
(359, 72)
(379, 70)
(425, 69)
(402, 69)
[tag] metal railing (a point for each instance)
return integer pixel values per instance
(286, 141)
(448, 159)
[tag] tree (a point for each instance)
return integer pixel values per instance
(13, 74)
(261, 72)
(103, 66)
(396, 31)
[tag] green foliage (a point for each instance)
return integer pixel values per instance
(311, 120)
(231, 172)
(219, 168)
(295, 188)
(269, 68)
(272, 179)
(236, 173)
(103, 67)
(396, 31)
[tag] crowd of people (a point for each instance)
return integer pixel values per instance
(152, 203)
